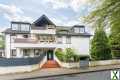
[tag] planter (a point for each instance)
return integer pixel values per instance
(70, 64)
(67, 64)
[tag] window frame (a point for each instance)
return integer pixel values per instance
(18, 26)
(13, 53)
(25, 51)
(68, 39)
(79, 30)
(59, 39)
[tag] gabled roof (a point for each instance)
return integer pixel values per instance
(43, 20)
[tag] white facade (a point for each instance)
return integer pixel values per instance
(39, 40)
(79, 43)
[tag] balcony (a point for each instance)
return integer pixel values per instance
(31, 43)
(43, 30)
(22, 40)
(28, 40)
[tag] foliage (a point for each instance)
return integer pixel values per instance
(67, 56)
(2, 41)
(60, 54)
(115, 45)
(100, 49)
(107, 15)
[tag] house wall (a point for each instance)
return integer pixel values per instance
(7, 45)
(19, 36)
(47, 31)
(80, 44)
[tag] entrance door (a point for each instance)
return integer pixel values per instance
(50, 55)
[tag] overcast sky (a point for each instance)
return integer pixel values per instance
(61, 12)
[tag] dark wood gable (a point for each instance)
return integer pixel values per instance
(42, 21)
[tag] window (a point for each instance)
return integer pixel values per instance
(59, 39)
(20, 26)
(50, 26)
(76, 30)
(68, 39)
(36, 52)
(25, 27)
(1, 54)
(82, 30)
(79, 30)
(15, 27)
(13, 53)
(25, 36)
(25, 52)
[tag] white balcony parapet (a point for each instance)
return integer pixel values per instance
(46, 31)
(39, 45)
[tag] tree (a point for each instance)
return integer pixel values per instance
(107, 14)
(100, 49)
(115, 45)
(2, 45)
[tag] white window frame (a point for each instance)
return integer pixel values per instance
(13, 53)
(15, 26)
(27, 52)
(68, 39)
(59, 39)
(82, 30)
(79, 30)
(25, 27)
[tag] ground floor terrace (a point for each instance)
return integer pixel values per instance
(32, 52)
(30, 58)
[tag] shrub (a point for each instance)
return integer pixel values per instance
(100, 49)
(116, 54)
(76, 58)
(115, 45)
(67, 56)
(60, 54)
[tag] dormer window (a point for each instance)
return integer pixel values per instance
(79, 29)
(20, 26)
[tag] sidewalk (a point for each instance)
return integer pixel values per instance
(51, 72)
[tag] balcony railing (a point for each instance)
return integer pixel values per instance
(19, 40)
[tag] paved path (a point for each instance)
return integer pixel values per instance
(101, 75)
(43, 73)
